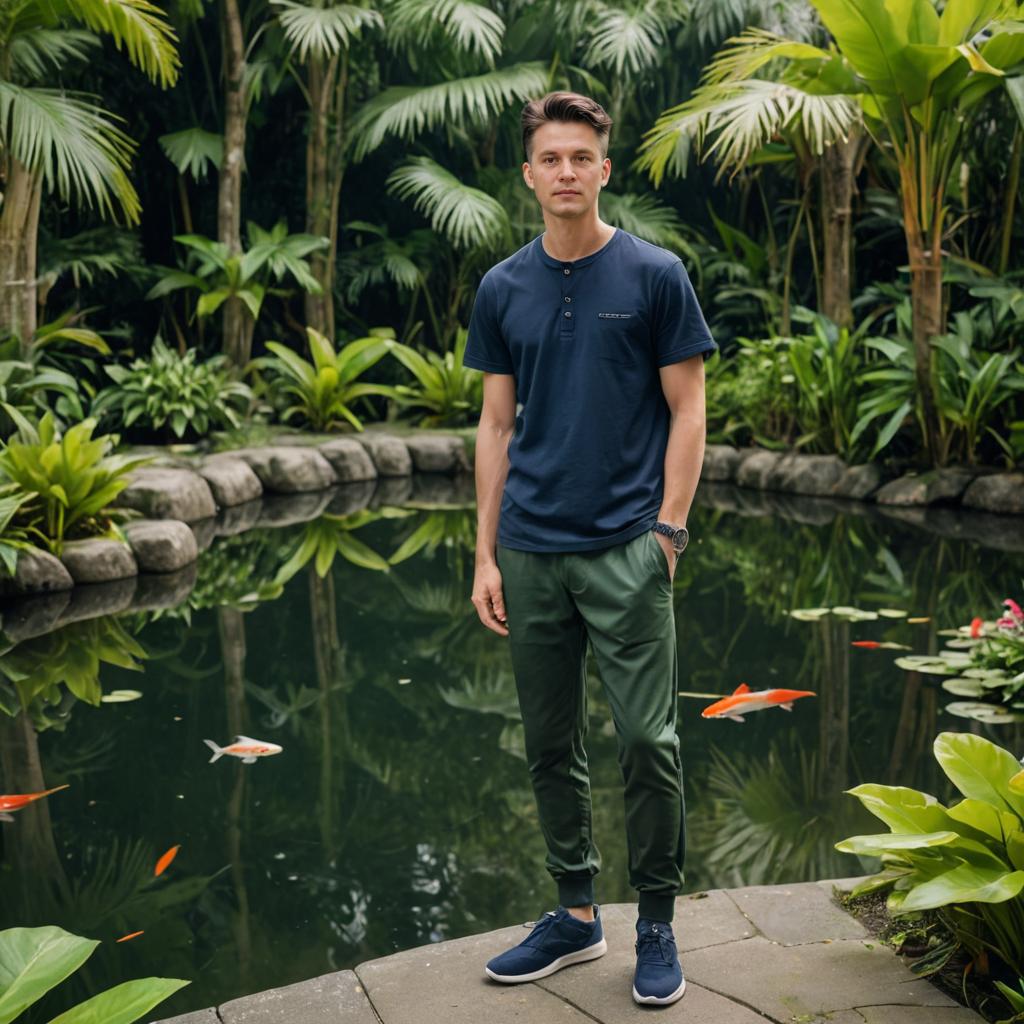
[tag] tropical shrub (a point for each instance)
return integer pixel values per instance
(70, 478)
(323, 539)
(448, 391)
(322, 392)
(36, 960)
(219, 275)
(966, 861)
(171, 393)
(13, 538)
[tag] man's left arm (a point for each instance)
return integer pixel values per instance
(682, 384)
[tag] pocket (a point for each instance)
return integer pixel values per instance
(660, 555)
(621, 340)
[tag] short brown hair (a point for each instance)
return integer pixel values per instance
(565, 106)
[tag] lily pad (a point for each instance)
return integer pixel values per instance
(990, 714)
(893, 613)
(963, 687)
(120, 696)
(845, 611)
(962, 642)
(809, 614)
(986, 673)
(927, 663)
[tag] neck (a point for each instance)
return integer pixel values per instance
(573, 239)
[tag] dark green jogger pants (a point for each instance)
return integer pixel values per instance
(620, 599)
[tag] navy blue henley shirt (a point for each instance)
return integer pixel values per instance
(584, 340)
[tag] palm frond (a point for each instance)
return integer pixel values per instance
(384, 259)
(193, 150)
(746, 53)
(138, 27)
(746, 115)
(90, 254)
(406, 110)
(464, 215)
(628, 40)
(713, 20)
(646, 217)
(73, 143)
(43, 50)
(323, 31)
(470, 27)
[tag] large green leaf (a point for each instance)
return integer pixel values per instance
(910, 811)
(875, 846)
(961, 20)
(34, 960)
(979, 769)
(967, 883)
(122, 1004)
(869, 37)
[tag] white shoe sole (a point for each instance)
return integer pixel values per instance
(660, 1000)
(579, 957)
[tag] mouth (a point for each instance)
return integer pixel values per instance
(567, 192)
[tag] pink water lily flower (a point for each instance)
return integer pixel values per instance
(1015, 609)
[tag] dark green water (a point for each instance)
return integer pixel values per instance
(399, 812)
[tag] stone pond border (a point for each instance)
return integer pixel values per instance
(767, 954)
(185, 501)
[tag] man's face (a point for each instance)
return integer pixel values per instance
(565, 169)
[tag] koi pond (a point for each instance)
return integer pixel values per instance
(398, 811)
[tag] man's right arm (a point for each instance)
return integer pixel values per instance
(497, 422)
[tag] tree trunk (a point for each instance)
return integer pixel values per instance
(229, 193)
(19, 221)
(837, 186)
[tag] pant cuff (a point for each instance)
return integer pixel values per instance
(657, 906)
(576, 890)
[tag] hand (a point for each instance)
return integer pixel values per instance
(488, 598)
(670, 553)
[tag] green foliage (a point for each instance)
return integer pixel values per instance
(324, 390)
(966, 860)
(35, 960)
(34, 671)
(173, 392)
(323, 539)
(219, 275)
(71, 479)
(449, 391)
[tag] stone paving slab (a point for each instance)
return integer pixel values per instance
(331, 997)
(795, 914)
(199, 1017)
(446, 984)
(787, 982)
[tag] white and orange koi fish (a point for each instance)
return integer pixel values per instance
(244, 747)
(743, 700)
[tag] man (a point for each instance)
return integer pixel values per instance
(583, 496)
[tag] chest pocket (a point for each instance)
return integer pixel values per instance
(622, 337)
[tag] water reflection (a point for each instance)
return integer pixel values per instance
(400, 810)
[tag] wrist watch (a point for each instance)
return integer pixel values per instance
(679, 535)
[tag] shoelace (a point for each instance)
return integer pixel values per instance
(654, 939)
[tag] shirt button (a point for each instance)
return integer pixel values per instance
(567, 271)
(568, 299)
(567, 314)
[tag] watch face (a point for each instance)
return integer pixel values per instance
(679, 540)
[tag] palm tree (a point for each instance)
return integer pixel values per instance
(745, 113)
(320, 36)
(60, 141)
(911, 76)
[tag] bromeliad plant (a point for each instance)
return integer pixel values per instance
(173, 393)
(445, 388)
(35, 960)
(325, 389)
(70, 479)
(966, 861)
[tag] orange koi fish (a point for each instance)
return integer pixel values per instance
(976, 623)
(132, 935)
(164, 862)
(15, 802)
(869, 644)
(244, 747)
(743, 700)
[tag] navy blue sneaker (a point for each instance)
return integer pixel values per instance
(557, 940)
(658, 977)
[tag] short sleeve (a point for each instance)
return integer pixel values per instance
(485, 347)
(678, 327)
